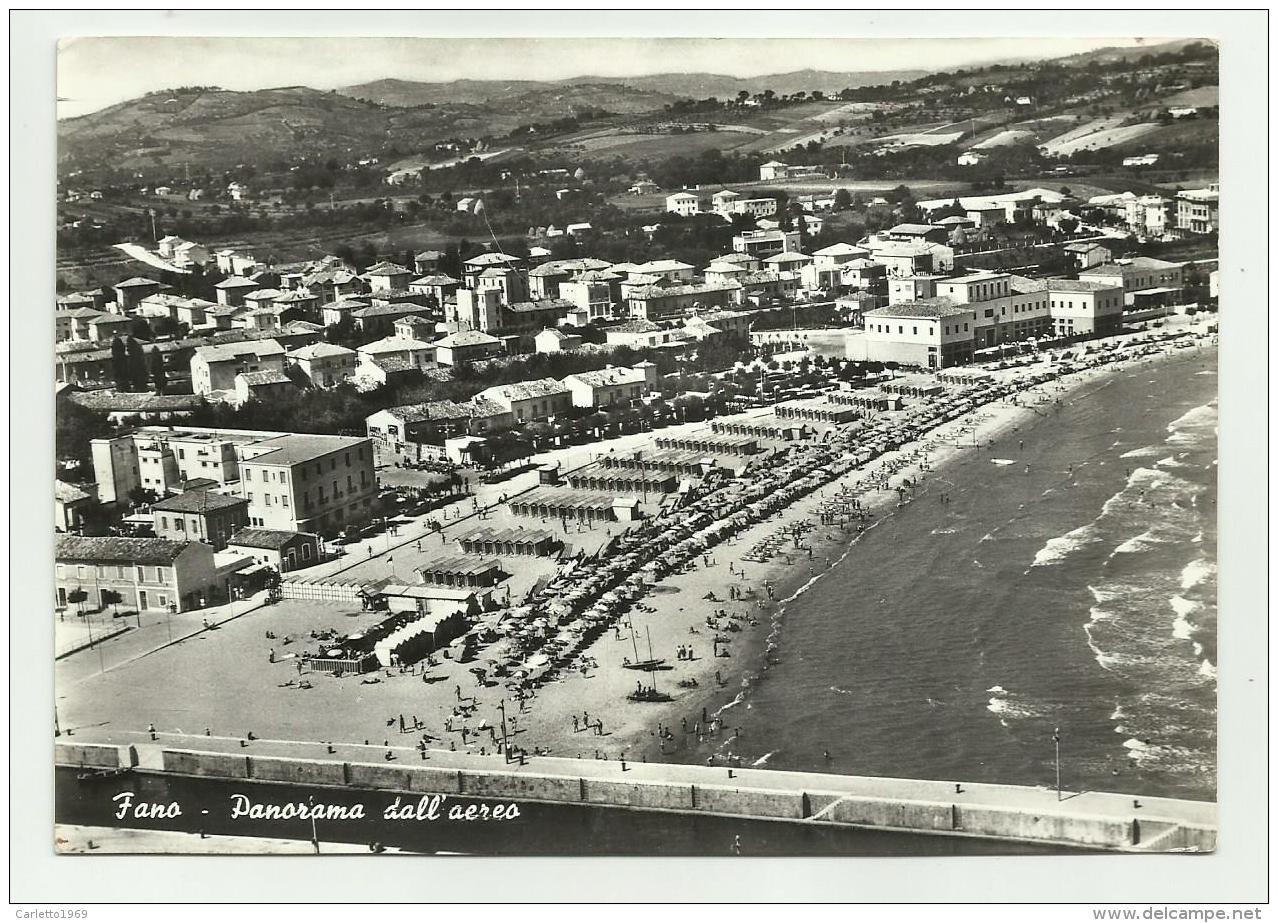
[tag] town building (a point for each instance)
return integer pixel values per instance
(762, 244)
(305, 483)
(278, 548)
(683, 203)
(1198, 210)
(213, 368)
(466, 346)
(417, 354)
(232, 291)
(1086, 254)
(611, 386)
(553, 340)
(130, 292)
(933, 333)
(324, 365)
(143, 574)
(71, 503)
(525, 401)
(200, 516)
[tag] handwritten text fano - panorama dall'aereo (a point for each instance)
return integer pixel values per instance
(428, 807)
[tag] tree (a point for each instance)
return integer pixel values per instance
(113, 599)
(842, 200)
(138, 372)
(78, 597)
(157, 371)
(119, 364)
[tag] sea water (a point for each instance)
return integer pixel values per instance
(952, 640)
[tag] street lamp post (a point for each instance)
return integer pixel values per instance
(505, 741)
(1056, 740)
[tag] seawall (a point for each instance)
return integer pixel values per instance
(1093, 819)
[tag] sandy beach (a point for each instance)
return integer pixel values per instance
(222, 681)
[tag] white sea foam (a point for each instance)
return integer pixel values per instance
(1059, 548)
(940, 531)
(1137, 543)
(842, 691)
(1143, 452)
(1196, 571)
(763, 759)
(1117, 714)
(1003, 461)
(1204, 415)
(999, 689)
(1182, 628)
(1207, 669)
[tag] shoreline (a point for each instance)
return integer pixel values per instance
(632, 733)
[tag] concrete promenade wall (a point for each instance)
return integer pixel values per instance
(92, 756)
(212, 765)
(893, 808)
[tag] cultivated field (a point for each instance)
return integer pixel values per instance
(1095, 135)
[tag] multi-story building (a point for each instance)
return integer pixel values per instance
(762, 244)
(387, 277)
(474, 310)
(664, 301)
(466, 346)
(592, 293)
(1138, 275)
(537, 399)
(934, 333)
(145, 574)
(1083, 308)
(1198, 210)
(304, 483)
(684, 203)
(213, 368)
(611, 386)
(201, 516)
(325, 365)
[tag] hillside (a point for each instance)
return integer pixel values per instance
(528, 101)
(616, 94)
(220, 128)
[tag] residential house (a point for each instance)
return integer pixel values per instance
(324, 365)
(265, 386)
(683, 203)
(434, 285)
(427, 262)
(232, 291)
(71, 503)
(213, 368)
(671, 299)
(466, 346)
(200, 516)
(761, 244)
(379, 319)
(611, 386)
(1086, 254)
(418, 354)
(553, 340)
(526, 401)
(130, 292)
(594, 293)
(387, 277)
(640, 334)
